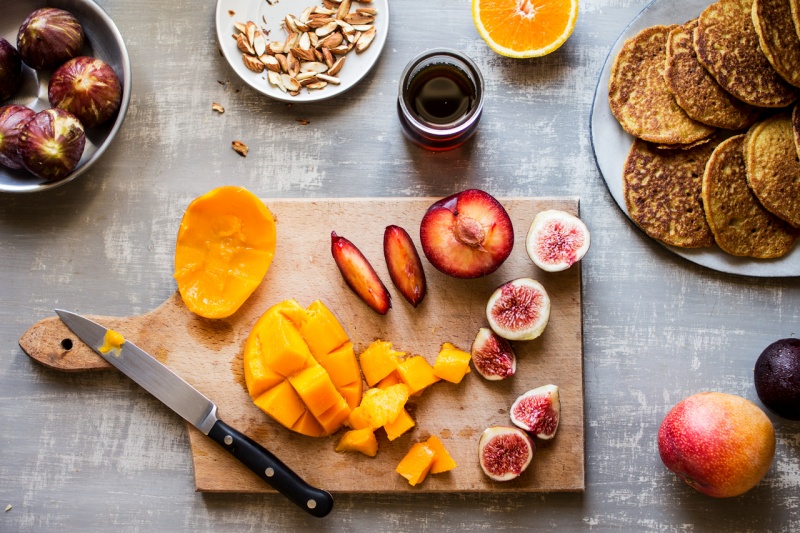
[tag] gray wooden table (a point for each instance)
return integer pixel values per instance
(93, 452)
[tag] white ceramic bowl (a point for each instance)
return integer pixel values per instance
(104, 41)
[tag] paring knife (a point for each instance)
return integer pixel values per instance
(201, 412)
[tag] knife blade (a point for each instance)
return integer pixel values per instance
(199, 411)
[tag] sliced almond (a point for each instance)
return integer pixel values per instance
(252, 63)
(250, 31)
(363, 27)
(217, 107)
(305, 41)
(240, 148)
(344, 25)
(327, 29)
(329, 4)
(365, 40)
(290, 83)
(327, 57)
(305, 76)
(340, 50)
(308, 81)
(289, 24)
(283, 62)
(275, 79)
(290, 42)
(270, 62)
(316, 85)
(313, 38)
(243, 45)
(313, 66)
(319, 21)
(359, 18)
(303, 55)
(332, 41)
(367, 11)
(305, 14)
(292, 65)
(337, 66)
(325, 11)
(259, 43)
(276, 47)
(344, 9)
(241, 27)
(330, 79)
(318, 56)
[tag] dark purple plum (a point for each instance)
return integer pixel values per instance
(10, 70)
(12, 119)
(777, 378)
(49, 37)
(86, 87)
(51, 144)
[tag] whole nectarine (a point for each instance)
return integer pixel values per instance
(720, 444)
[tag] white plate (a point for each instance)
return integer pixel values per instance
(611, 145)
(356, 66)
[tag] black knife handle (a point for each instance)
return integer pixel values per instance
(315, 502)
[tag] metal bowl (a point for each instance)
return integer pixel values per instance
(104, 41)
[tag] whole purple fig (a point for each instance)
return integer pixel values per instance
(49, 37)
(12, 119)
(10, 70)
(86, 87)
(51, 144)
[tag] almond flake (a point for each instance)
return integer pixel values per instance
(217, 107)
(365, 40)
(252, 63)
(240, 148)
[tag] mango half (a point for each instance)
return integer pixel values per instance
(300, 368)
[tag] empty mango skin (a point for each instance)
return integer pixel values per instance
(226, 242)
(300, 368)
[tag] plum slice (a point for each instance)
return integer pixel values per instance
(403, 262)
(359, 274)
(467, 235)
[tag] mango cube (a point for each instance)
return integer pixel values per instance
(416, 464)
(359, 440)
(378, 361)
(451, 363)
(400, 425)
(442, 461)
(417, 373)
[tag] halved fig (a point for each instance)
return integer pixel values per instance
(49, 37)
(405, 267)
(467, 235)
(88, 88)
(492, 356)
(519, 310)
(505, 452)
(12, 118)
(538, 411)
(51, 144)
(556, 240)
(359, 274)
(10, 70)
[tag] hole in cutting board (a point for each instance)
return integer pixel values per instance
(66, 344)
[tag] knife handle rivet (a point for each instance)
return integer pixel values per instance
(269, 472)
(228, 440)
(311, 504)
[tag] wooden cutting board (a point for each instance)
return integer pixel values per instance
(208, 354)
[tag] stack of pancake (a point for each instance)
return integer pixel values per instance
(711, 104)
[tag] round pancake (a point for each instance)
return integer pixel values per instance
(696, 91)
(740, 224)
(796, 128)
(794, 5)
(727, 46)
(662, 193)
(776, 35)
(773, 170)
(638, 95)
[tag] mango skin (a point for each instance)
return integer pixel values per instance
(720, 444)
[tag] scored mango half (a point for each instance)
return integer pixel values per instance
(300, 368)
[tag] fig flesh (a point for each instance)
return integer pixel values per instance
(777, 378)
(49, 37)
(10, 70)
(519, 310)
(538, 411)
(359, 274)
(51, 144)
(403, 262)
(556, 240)
(467, 235)
(12, 119)
(492, 356)
(88, 88)
(505, 452)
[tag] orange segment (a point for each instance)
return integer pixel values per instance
(524, 28)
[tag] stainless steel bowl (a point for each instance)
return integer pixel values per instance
(104, 41)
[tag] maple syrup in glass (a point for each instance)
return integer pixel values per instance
(440, 100)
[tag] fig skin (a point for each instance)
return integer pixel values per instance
(10, 70)
(505, 452)
(492, 356)
(777, 378)
(51, 144)
(12, 119)
(49, 37)
(88, 88)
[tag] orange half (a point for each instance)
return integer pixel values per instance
(525, 28)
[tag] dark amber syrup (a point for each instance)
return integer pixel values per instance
(441, 94)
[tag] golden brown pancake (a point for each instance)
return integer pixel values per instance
(794, 5)
(662, 193)
(638, 95)
(696, 91)
(740, 224)
(727, 46)
(773, 170)
(776, 35)
(796, 128)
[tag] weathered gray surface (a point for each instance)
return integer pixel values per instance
(92, 452)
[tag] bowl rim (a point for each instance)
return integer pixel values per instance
(121, 113)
